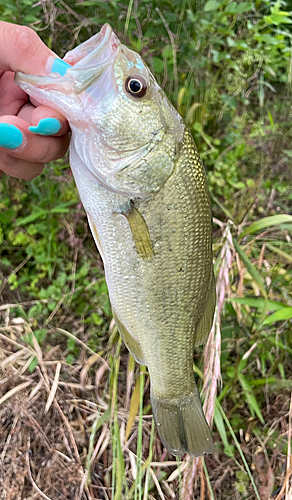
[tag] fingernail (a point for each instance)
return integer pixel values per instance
(60, 66)
(46, 126)
(10, 136)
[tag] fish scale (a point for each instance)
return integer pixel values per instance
(182, 282)
(144, 189)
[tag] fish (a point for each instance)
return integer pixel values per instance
(144, 189)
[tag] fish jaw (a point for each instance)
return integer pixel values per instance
(92, 96)
(94, 48)
(72, 93)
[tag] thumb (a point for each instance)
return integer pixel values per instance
(21, 49)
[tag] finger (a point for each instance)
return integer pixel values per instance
(16, 167)
(44, 120)
(26, 112)
(23, 50)
(41, 115)
(12, 98)
(19, 142)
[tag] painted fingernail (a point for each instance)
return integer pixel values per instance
(10, 136)
(60, 66)
(46, 126)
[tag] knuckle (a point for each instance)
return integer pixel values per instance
(26, 41)
(41, 150)
(21, 169)
(7, 162)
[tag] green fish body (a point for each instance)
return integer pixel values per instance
(144, 189)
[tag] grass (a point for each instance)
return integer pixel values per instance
(75, 414)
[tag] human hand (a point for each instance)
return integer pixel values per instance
(24, 152)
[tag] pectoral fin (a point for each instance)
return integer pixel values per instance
(206, 321)
(131, 344)
(140, 232)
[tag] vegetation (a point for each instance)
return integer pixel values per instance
(75, 416)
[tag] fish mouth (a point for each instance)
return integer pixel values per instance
(99, 47)
(87, 61)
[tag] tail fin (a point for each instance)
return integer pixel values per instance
(182, 425)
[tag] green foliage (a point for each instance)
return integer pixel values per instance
(228, 70)
(44, 228)
(20, 11)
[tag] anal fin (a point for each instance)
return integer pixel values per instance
(131, 344)
(94, 234)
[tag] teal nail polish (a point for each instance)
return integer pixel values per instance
(10, 136)
(46, 126)
(60, 66)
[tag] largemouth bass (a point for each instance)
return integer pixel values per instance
(143, 186)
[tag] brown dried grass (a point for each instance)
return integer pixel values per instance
(44, 426)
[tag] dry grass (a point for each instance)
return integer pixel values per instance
(44, 424)
(57, 435)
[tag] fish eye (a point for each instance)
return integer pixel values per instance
(136, 86)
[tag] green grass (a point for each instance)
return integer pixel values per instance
(227, 67)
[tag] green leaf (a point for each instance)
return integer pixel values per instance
(274, 220)
(280, 252)
(251, 269)
(265, 37)
(228, 448)
(281, 315)
(37, 213)
(167, 52)
(63, 207)
(70, 358)
(250, 398)
(238, 8)
(273, 381)
(97, 320)
(211, 5)
(263, 381)
(223, 208)
(33, 364)
(59, 210)
(277, 343)
(278, 19)
(259, 303)
(242, 481)
(158, 65)
(271, 119)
